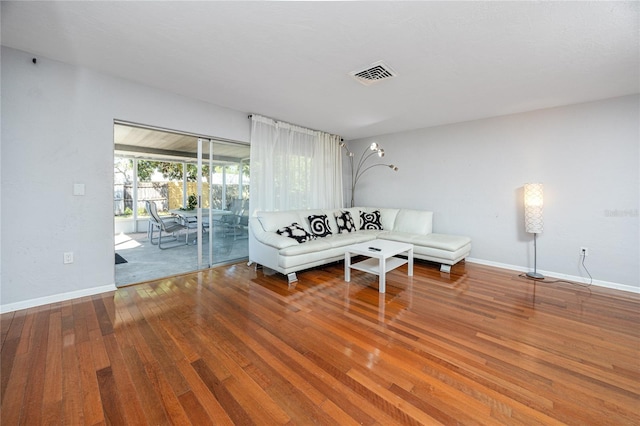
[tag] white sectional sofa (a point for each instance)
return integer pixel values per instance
(289, 254)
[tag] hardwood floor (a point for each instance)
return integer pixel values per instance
(236, 346)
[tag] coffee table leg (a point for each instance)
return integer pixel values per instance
(410, 272)
(347, 266)
(382, 282)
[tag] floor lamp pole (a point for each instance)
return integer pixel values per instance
(535, 275)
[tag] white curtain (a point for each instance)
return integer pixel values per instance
(293, 167)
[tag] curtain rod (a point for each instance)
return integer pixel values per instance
(251, 115)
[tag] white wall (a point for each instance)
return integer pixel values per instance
(471, 175)
(57, 130)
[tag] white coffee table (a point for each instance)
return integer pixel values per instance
(380, 261)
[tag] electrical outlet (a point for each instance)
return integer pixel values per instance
(68, 257)
(584, 251)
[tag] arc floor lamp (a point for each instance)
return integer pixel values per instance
(533, 203)
(357, 170)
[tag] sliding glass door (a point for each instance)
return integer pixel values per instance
(225, 216)
(200, 183)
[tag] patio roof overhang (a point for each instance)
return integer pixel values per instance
(142, 142)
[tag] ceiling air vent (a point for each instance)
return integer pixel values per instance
(373, 73)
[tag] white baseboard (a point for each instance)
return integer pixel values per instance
(551, 274)
(54, 298)
(10, 307)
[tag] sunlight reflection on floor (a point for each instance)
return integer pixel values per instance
(123, 242)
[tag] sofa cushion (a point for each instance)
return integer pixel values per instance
(401, 237)
(276, 241)
(272, 221)
(413, 221)
(312, 247)
(319, 225)
(370, 220)
(441, 256)
(345, 222)
(317, 257)
(446, 242)
(387, 217)
(347, 238)
(296, 232)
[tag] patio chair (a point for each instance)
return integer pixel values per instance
(230, 224)
(191, 222)
(169, 226)
(233, 222)
(242, 229)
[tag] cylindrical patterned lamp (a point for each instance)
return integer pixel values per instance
(533, 203)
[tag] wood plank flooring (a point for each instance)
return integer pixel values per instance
(232, 345)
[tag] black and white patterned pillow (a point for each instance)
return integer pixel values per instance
(344, 222)
(319, 225)
(296, 232)
(370, 220)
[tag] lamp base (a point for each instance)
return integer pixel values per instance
(535, 275)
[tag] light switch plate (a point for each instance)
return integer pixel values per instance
(78, 189)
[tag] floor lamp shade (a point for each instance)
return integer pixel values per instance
(533, 203)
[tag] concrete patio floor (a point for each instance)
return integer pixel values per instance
(147, 262)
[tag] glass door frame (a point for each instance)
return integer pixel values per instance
(200, 219)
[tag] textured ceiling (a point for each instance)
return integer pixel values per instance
(456, 61)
